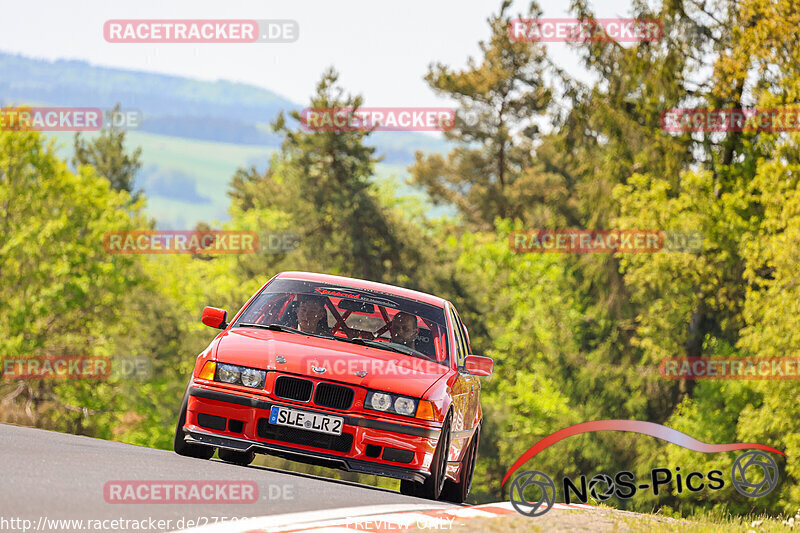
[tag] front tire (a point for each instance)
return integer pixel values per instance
(410, 488)
(458, 492)
(431, 489)
(180, 445)
(239, 458)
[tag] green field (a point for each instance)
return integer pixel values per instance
(186, 180)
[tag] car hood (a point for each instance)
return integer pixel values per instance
(385, 370)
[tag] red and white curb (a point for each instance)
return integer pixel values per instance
(369, 519)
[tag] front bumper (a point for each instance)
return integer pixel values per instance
(240, 423)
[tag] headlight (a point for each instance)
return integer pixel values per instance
(405, 406)
(380, 401)
(239, 375)
(228, 373)
(391, 403)
(253, 378)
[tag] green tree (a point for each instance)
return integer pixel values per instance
(736, 298)
(320, 186)
(107, 154)
(60, 291)
(485, 175)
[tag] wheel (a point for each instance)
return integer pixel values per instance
(458, 492)
(180, 446)
(431, 489)
(409, 488)
(239, 458)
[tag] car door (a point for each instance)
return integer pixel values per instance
(472, 404)
(462, 390)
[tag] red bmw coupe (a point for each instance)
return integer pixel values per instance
(344, 373)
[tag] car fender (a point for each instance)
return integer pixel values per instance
(478, 414)
(209, 354)
(440, 394)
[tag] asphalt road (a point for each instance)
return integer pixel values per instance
(49, 476)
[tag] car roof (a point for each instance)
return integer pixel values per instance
(366, 285)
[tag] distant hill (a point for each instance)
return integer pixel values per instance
(221, 111)
(194, 134)
(78, 83)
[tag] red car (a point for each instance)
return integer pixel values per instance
(343, 373)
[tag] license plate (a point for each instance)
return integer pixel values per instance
(283, 416)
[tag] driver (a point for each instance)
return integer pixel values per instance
(404, 329)
(311, 315)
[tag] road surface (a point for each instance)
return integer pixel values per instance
(49, 476)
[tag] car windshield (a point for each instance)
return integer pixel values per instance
(377, 319)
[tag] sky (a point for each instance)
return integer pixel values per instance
(381, 49)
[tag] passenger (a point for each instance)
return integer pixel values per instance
(404, 329)
(311, 315)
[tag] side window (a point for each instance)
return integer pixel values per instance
(465, 333)
(461, 344)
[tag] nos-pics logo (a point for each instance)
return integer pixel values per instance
(533, 493)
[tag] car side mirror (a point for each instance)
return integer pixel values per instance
(215, 318)
(478, 365)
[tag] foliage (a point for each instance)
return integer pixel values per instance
(106, 153)
(574, 337)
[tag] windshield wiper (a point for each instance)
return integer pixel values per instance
(357, 340)
(273, 327)
(383, 346)
(281, 327)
